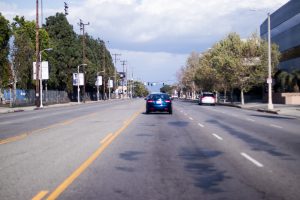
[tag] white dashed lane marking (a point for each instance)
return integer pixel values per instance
(201, 125)
(218, 137)
(251, 120)
(276, 126)
(258, 164)
(191, 118)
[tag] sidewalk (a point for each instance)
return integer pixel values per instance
(4, 110)
(280, 109)
(27, 108)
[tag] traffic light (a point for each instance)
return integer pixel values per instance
(66, 8)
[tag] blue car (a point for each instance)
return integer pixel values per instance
(158, 102)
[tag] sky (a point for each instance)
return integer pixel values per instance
(155, 37)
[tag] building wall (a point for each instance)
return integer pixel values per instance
(285, 32)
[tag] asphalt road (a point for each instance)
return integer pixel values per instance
(113, 150)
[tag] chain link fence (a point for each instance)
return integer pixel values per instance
(15, 98)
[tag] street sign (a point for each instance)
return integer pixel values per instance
(44, 70)
(110, 83)
(75, 79)
(98, 81)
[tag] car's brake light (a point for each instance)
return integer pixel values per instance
(168, 101)
(150, 101)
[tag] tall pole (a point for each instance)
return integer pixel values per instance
(123, 78)
(104, 63)
(78, 88)
(37, 47)
(82, 27)
(41, 81)
(78, 79)
(115, 62)
(108, 88)
(269, 81)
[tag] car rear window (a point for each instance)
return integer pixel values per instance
(208, 95)
(159, 96)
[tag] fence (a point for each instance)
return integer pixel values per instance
(15, 98)
(27, 97)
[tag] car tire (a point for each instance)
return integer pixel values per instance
(147, 111)
(170, 112)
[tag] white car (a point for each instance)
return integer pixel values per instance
(207, 98)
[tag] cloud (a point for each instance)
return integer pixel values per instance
(156, 36)
(151, 66)
(154, 25)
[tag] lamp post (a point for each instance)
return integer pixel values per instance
(78, 89)
(109, 86)
(269, 81)
(41, 76)
(98, 92)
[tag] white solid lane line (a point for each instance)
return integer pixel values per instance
(201, 125)
(218, 137)
(276, 126)
(191, 118)
(258, 164)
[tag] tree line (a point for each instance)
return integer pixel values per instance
(232, 63)
(17, 54)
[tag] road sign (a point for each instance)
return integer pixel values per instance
(110, 83)
(44, 70)
(98, 81)
(75, 79)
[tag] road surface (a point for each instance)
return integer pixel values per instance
(113, 150)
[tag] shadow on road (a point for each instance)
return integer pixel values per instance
(205, 174)
(131, 155)
(255, 143)
(179, 123)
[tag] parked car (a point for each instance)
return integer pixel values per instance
(158, 102)
(207, 98)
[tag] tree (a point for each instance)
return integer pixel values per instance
(139, 89)
(167, 89)
(23, 52)
(5, 33)
(66, 54)
(230, 64)
(206, 77)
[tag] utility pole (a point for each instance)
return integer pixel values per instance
(115, 61)
(104, 66)
(37, 50)
(123, 78)
(82, 28)
(66, 9)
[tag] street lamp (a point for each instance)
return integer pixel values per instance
(41, 76)
(269, 81)
(98, 92)
(109, 86)
(78, 89)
